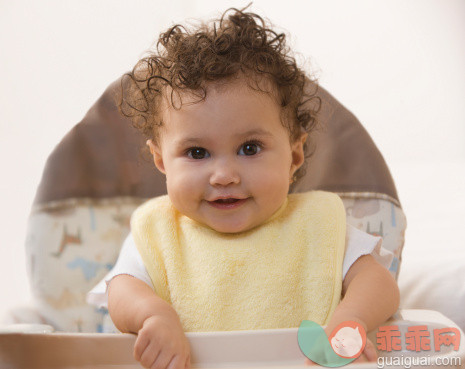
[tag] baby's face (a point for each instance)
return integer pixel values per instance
(228, 160)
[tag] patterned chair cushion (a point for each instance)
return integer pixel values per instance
(70, 247)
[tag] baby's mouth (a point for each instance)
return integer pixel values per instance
(228, 203)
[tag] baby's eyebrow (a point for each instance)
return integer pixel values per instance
(188, 141)
(255, 132)
(199, 141)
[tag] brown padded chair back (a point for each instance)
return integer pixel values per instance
(101, 158)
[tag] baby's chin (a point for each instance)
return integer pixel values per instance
(233, 224)
(224, 221)
(225, 227)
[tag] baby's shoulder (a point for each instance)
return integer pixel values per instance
(152, 208)
(319, 204)
(314, 197)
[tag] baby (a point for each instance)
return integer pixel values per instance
(227, 114)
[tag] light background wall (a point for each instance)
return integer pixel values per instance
(397, 65)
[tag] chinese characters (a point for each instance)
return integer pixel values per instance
(417, 338)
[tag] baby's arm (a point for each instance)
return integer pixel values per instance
(370, 297)
(135, 308)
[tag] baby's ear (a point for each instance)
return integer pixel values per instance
(157, 156)
(298, 154)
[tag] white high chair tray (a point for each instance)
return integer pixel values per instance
(273, 348)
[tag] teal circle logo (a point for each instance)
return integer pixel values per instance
(344, 345)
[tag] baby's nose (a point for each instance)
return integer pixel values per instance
(224, 174)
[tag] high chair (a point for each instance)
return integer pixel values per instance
(94, 179)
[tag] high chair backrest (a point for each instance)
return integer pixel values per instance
(96, 177)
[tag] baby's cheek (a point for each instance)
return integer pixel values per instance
(273, 185)
(183, 189)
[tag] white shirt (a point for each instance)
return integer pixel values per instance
(130, 262)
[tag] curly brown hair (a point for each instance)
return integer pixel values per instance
(237, 44)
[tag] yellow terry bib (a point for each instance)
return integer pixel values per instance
(273, 276)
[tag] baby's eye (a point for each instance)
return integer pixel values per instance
(250, 148)
(197, 153)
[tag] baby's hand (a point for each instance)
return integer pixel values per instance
(368, 354)
(161, 344)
